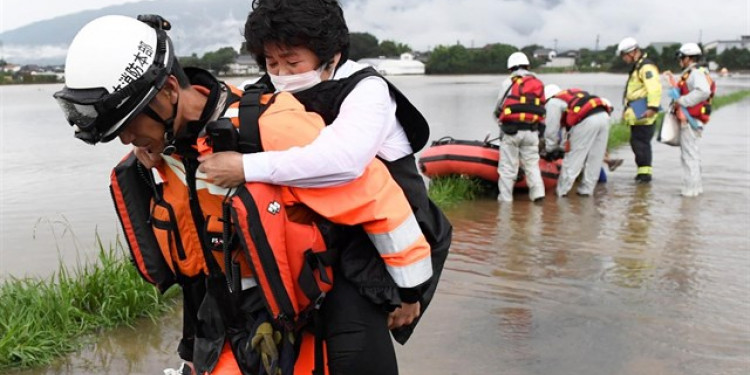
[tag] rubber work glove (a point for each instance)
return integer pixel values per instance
(265, 342)
(553, 155)
(674, 93)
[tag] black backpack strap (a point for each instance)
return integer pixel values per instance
(249, 113)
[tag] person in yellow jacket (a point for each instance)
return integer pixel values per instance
(641, 100)
(123, 80)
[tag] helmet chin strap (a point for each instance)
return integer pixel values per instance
(169, 138)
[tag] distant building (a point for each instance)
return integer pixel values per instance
(723, 45)
(560, 62)
(10, 68)
(405, 64)
(244, 65)
(544, 54)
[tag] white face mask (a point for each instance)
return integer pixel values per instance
(297, 82)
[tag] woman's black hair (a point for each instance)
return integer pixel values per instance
(315, 24)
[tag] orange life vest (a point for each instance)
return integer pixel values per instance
(524, 102)
(702, 110)
(282, 246)
(581, 104)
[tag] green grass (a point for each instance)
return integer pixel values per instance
(451, 190)
(43, 319)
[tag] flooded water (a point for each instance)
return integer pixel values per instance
(636, 280)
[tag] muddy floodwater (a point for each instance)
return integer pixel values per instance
(634, 280)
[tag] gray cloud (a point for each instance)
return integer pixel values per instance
(574, 23)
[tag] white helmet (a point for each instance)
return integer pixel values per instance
(551, 90)
(689, 49)
(626, 45)
(517, 59)
(115, 66)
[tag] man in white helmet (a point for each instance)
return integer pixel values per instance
(641, 100)
(694, 92)
(123, 80)
(520, 113)
(586, 120)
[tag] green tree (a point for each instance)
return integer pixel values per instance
(363, 45)
(493, 58)
(734, 58)
(529, 52)
(668, 60)
(391, 48)
(448, 60)
(220, 59)
(192, 60)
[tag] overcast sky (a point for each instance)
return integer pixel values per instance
(422, 24)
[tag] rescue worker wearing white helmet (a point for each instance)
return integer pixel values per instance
(693, 93)
(123, 80)
(520, 113)
(641, 99)
(585, 117)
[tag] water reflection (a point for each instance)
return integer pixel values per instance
(146, 348)
(631, 264)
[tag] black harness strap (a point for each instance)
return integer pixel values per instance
(249, 113)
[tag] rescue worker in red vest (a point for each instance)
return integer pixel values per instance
(585, 118)
(642, 101)
(303, 45)
(122, 80)
(520, 113)
(694, 92)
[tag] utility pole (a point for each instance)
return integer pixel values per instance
(555, 45)
(596, 46)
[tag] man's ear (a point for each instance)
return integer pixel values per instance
(172, 89)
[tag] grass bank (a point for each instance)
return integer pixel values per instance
(41, 320)
(451, 190)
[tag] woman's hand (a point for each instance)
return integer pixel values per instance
(224, 168)
(403, 315)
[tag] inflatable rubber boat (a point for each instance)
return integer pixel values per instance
(448, 156)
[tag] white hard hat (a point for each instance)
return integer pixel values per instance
(551, 90)
(690, 49)
(517, 59)
(114, 67)
(626, 45)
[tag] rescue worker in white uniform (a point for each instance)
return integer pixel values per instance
(518, 142)
(588, 141)
(695, 90)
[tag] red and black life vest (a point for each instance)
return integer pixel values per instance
(524, 102)
(702, 110)
(581, 104)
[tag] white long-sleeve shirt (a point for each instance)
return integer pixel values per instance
(365, 127)
(555, 107)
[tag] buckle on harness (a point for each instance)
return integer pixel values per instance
(319, 300)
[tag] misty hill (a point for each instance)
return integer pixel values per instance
(198, 26)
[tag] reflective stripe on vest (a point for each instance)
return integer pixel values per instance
(524, 102)
(581, 104)
(373, 200)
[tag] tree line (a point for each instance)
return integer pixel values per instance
(490, 59)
